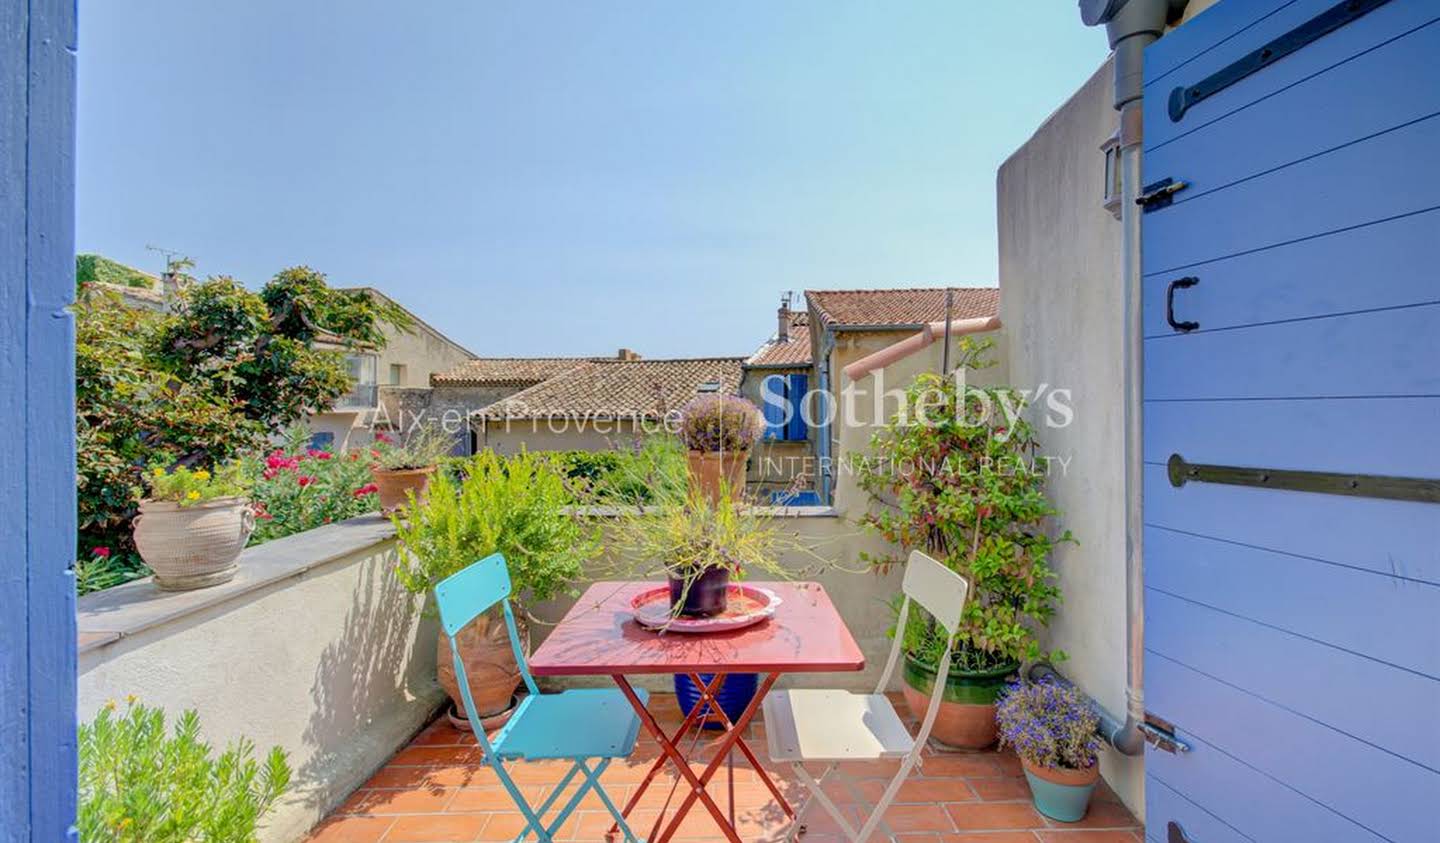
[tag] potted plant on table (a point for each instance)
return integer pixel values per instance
(518, 507)
(718, 431)
(194, 525)
(1051, 726)
(964, 485)
(402, 468)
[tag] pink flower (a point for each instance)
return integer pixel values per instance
(102, 552)
(381, 436)
(269, 473)
(367, 489)
(305, 480)
(323, 455)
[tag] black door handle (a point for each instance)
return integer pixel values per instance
(1179, 284)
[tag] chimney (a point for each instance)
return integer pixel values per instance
(626, 354)
(783, 335)
(171, 283)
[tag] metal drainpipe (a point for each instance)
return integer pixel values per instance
(1131, 26)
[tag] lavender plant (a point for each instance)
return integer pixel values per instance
(1049, 724)
(713, 423)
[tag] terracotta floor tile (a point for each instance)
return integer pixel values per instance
(419, 801)
(438, 789)
(351, 830)
(994, 816)
(436, 828)
(1001, 789)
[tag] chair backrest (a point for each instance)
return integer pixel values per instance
(464, 596)
(940, 590)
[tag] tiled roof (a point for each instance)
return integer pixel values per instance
(793, 352)
(620, 389)
(900, 308)
(506, 371)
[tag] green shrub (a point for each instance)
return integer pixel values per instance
(298, 488)
(92, 268)
(139, 784)
(965, 489)
(517, 506)
(652, 472)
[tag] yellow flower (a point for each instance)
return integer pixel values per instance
(109, 705)
(202, 474)
(130, 699)
(158, 471)
(193, 495)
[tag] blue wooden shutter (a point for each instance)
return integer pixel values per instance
(797, 429)
(772, 406)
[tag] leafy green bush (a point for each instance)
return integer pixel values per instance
(199, 387)
(964, 488)
(517, 506)
(139, 784)
(91, 268)
(298, 488)
(187, 486)
(652, 472)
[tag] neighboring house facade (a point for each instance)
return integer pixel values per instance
(847, 325)
(778, 378)
(599, 404)
(386, 381)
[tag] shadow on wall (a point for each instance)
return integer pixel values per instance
(358, 678)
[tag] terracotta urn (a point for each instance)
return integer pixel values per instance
(711, 470)
(193, 546)
(489, 660)
(967, 707)
(394, 486)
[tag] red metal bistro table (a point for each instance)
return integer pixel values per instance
(599, 636)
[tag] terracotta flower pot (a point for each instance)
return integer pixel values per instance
(1060, 793)
(193, 546)
(967, 707)
(489, 661)
(394, 486)
(709, 470)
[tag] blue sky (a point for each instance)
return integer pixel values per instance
(567, 178)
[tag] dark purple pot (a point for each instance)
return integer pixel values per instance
(707, 594)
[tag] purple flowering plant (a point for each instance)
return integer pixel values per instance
(1049, 724)
(712, 423)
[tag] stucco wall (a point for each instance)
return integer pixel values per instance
(422, 352)
(333, 661)
(1061, 305)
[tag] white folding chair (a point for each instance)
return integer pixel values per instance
(832, 727)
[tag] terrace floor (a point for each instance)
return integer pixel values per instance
(436, 789)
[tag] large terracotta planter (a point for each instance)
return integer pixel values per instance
(489, 661)
(394, 487)
(1059, 793)
(193, 546)
(967, 708)
(709, 471)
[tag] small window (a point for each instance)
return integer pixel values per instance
(322, 441)
(1110, 190)
(708, 387)
(397, 374)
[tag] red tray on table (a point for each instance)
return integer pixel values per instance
(745, 605)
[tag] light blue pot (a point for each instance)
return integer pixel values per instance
(1064, 802)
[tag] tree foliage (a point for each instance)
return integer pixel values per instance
(216, 377)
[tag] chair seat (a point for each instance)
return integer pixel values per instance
(825, 725)
(583, 723)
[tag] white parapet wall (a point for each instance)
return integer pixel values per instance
(314, 647)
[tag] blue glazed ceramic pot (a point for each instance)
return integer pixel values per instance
(1061, 794)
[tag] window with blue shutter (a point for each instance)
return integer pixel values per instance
(782, 399)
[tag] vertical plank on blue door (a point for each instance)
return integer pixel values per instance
(37, 522)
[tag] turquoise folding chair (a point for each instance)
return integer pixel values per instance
(578, 724)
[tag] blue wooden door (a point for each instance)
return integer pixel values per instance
(1293, 637)
(37, 402)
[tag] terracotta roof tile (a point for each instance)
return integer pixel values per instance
(900, 308)
(619, 389)
(793, 352)
(506, 371)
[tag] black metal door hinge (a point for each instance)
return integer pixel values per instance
(1181, 99)
(1160, 734)
(1159, 194)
